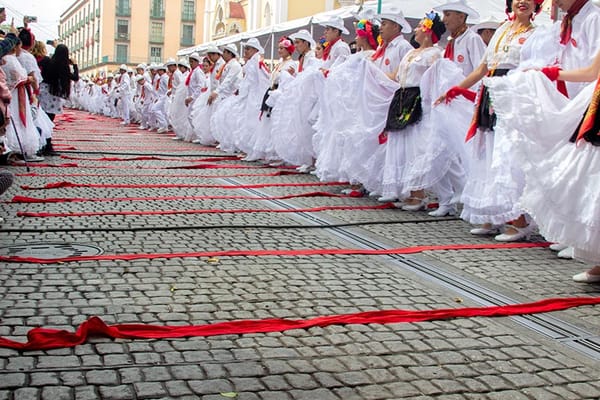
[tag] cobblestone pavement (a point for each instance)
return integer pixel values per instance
(476, 358)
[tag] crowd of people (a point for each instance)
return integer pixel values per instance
(503, 120)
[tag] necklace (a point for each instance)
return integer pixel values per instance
(510, 37)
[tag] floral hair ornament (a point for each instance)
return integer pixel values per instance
(323, 42)
(286, 43)
(364, 29)
(432, 23)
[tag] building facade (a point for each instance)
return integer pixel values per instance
(228, 17)
(103, 34)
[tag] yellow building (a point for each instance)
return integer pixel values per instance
(103, 34)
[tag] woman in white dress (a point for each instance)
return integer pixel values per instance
(559, 152)
(495, 181)
(410, 162)
(283, 71)
(21, 134)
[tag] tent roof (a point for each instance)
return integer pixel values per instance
(413, 10)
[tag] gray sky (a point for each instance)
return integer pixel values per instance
(47, 11)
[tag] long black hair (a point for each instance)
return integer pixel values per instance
(57, 73)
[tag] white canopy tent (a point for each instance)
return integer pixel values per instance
(413, 11)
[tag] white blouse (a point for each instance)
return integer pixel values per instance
(504, 50)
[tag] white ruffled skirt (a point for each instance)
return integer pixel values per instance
(561, 191)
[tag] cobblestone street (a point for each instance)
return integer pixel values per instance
(544, 356)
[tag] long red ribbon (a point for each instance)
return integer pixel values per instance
(45, 339)
(28, 214)
(25, 199)
(258, 253)
(275, 173)
(150, 158)
(194, 166)
(58, 185)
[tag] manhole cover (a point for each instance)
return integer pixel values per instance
(50, 251)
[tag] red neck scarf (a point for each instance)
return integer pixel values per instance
(157, 84)
(449, 52)
(220, 71)
(327, 49)
(189, 77)
(381, 49)
(300, 63)
(566, 27)
(170, 81)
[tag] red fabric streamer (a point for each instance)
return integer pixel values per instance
(25, 199)
(283, 253)
(150, 158)
(64, 184)
(28, 214)
(551, 72)
(456, 91)
(591, 115)
(276, 173)
(46, 339)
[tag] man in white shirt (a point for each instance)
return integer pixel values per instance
(465, 47)
(123, 91)
(336, 47)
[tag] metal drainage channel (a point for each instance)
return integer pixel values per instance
(564, 332)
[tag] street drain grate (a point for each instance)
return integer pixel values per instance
(50, 251)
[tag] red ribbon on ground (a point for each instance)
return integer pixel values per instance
(65, 184)
(276, 173)
(25, 199)
(283, 253)
(28, 214)
(150, 158)
(45, 339)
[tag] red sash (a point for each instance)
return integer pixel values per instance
(22, 99)
(591, 114)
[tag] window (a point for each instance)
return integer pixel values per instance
(123, 8)
(156, 32)
(187, 35)
(188, 12)
(158, 9)
(155, 54)
(122, 50)
(122, 29)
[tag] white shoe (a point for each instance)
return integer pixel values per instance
(125, 123)
(142, 127)
(34, 158)
(176, 138)
(374, 194)
(586, 277)
(443, 211)
(494, 230)
(557, 247)
(387, 199)
(567, 254)
(197, 141)
(162, 130)
(304, 168)
(421, 205)
(522, 233)
(277, 163)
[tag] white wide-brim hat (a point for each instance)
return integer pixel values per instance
(366, 13)
(141, 66)
(232, 48)
(337, 23)
(139, 78)
(489, 23)
(195, 56)
(214, 49)
(305, 35)
(171, 61)
(396, 15)
(184, 62)
(255, 44)
(460, 6)
(123, 67)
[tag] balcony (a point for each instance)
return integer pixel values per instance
(157, 39)
(123, 12)
(187, 42)
(122, 36)
(157, 14)
(188, 16)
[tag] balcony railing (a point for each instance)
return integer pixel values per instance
(186, 42)
(123, 11)
(157, 39)
(188, 16)
(157, 14)
(122, 36)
